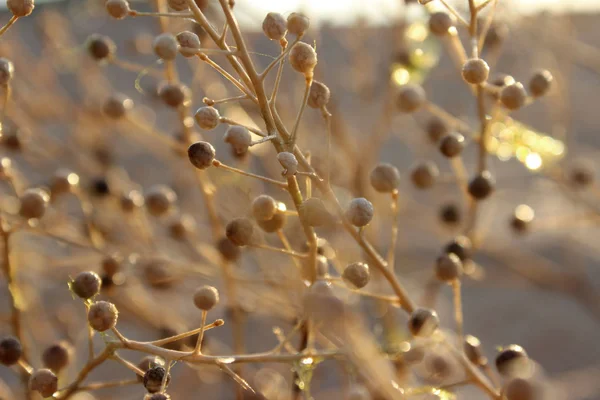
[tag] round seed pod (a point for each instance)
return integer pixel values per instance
(582, 174)
(63, 181)
(100, 187)
(57, 356)
(207, 118)
(165, 46)
(496, 35)
(436, 128)
(146, 363)
(20, 8)
(522, 218)
(438, 366)
(356, 275)
(240, 231)
(189, 42)
(174, 94)
(461, 246)
(475, 71)
(86, 284)
(410, 98)
(540, 83)
(239, 138)
(360, 212)
(440, 22)
(157, 396)
(117, 105)
(482, 185)
(228, 250)
(450, 214)
(319, 95)
(10, 350)
(153, 379)
(182, 226)
(33, 203)
(513, 361)
(206, 298)
(12, 139)
(131, 201)
(7, 70)
(158, 274)
(358, 392)
(423, 322)
(502, 80)
(452, 144)
(274, 26)
(297, 24)
(276, 223)
(448, 267)
(102, 316)
(289, 162)
(201, 154)
(178, 5)
(314, 212)
(44, 382)
(513, 96)
(100, 47)
(385, 178)
(424, 175)
(111, 265)
(117, 9)
(159, 200)
(472, 348)
(303, 58)
(520, 389)
(264, 207)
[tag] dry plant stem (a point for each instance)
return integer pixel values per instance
(227, 76)
(474, 374)
(392, 250)
(148, 130)
(198, 348)
(109, 384)
(134, 13)
(184, 335)
(286, 245)
(284, 44)
(285, 50)
(89, 367)
(10, 23)
(218, 164)
(487, 24)
(251, 129)
(327, 117)
(7, 92)
(210, 102)
(458, 313)
(457, 50)
(458, 167)
(292, 139)
(447, 117)
(278, 250)
(133, 67)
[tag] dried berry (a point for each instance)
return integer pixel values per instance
(153, 379)
(360, 212)
(63, 181)
(240, 231)
(182, 226)
(157, 273)
(303, 58)
(201, 154)
(314, 212)
(117, 9)
(102, 316)
(452, 144)
(44, 382)
(10, 350)
(264, 207)
(540, 83)
(513, 96)
(448, 267)
(131, 201)
(410, 98)
(496, 35)
(228, 250)
(582, 174)
(276, 223)
(178, 5)
(20, 8)
(440, 22)
(520, 389)
(207, 118)
(111, 265)
(461, 246)
(513, 361)
(33, 203)
(356, 275)
(117, 105)
(165, 46)
(174, 94)
(289, 162)
(189, 43)
(482, 185)
(239, 138)
(472, 348)
(475, 71)
(436, 128)
(423, 322)
(57, 356)
(522, 218)
(146, 363)
(424, 175)
(274, 26)
(297, 24)
(7, 70)
(206, 298)
(319, 95)
(385, 178)
(100, 187)
(450, 214)
(159, 200)
(100, 47)
(86, 284)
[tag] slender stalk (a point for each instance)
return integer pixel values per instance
(134, 13)
(198, 348)
(219, 164)
(392, 250)
(292, 140)
(458, 313)
(10, 23)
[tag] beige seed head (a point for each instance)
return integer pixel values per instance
(7, 70)
(174, 94)
(44, 382)
(206, 298)
(513, 96)
(452, 144)
(440, 22)
(165, 46)
(360, 212)
(100, 47)
(475, 71)
(86, 284)
(357, 275)
(207, 118)
(410, 98)
(102, 316)
(303, 58)
(239, 138)
(385, 178)
(314, 212)
(20, 8)
(289, 162)
(448, 267)
(117, 105)
(63, 181)
(33, 203)
(117, 9)
(189, 42)
(160, 199)
(423, 322)
(240, 231)
(264, 207)
(274, 26)
(424, 175)
(276, 223)
(201, 154)
(297, 24)
(540, 83)
(319, 95)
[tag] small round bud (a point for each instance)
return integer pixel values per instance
(496, 35)
(472, 348)
(274, 26)
(520, 389)
(450, 214)
(314, 212)
(207, 118)
(165, 46)
(513, 361)
(157, 396)
(206, 298)
(360, 212)
(436, 128)
(540, 83)
(131, 201)
(20, 8)
(475, 71)
(178, 5)
(201, 154)
(228, 250)
(423, 322)
(358, 392)
(160, 199)
(452, 144)
(239, 138)
(410, 98)
(111, 265)
(582, 174)
(86, 284)
(10, 350)
(448, 267)
(63, 181)
(522, 218)
(440, 22)
(100, 47)
(153, 379)
(174, 94)
(157, 273)
(264, 207)
(44, 382)
(276, 223)
(424, 175)
(240, 231)
(461, 246)
(319, 95)
(189, 42)
(181, 226)
(33, 203)
(57, 356)
(117, 9)
(117, 105)
(357, 275)
(102, 316)
(12, 139)
(303, 58)
(438, 366)
(146, 363)
(513, 96)
(482, 185)
(7, 70)
(289, 162)
(385, 178)
(100, 187)
(297, 24)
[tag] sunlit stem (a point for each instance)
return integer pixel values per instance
(219, 164)
(10, 23)
(292, 140)
(198, 348)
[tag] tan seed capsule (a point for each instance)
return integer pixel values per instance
(436, 128)
(20, 8)
(360, 212)
(540, 83)
(521, 389)
(102, 316)
(189, 43)
(174, 94)
(33, 203)
(513, 96)
(146, 363)
(357, 275)
(274, 26)
(385, 178)
(276, 223)
(289, 162)
(154, 377)
(207, 118)
(452, 144)
(111, 265)
(57, 356)
(496, 35)
(461, 246)
(264, 207)
(100, 47)
(424, 175)
(157, 273)
(86, 284)
(117, 9)
(165, 46)
(117, 106)
(319, 95)
(178, 5)
(440, 22)
(131, 201)
(472, 348)
(423, 322)
(7, 70)
(482, 186)
(303, 58)
(182, 226)
(297, 24)
(239, 138)
(10, 350)
(448, 267)
(160, 199)
(240, 231)
(63, 181)
(314, 212)
(201, 154)
(410, 98)
(513, 361)
(228, 250)
(206, 298)
(475, 71)
(44, 382)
